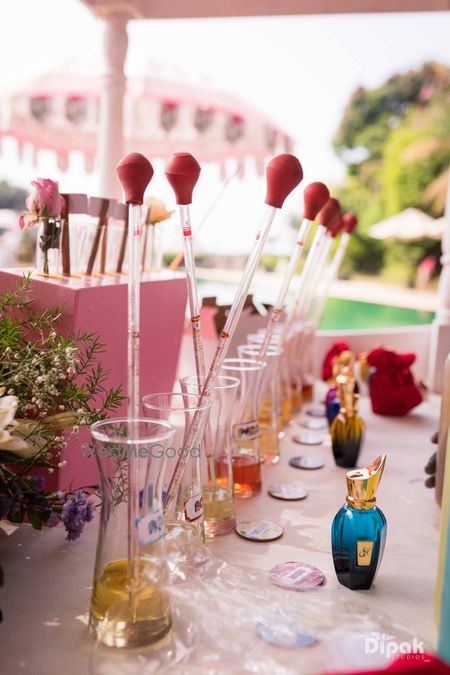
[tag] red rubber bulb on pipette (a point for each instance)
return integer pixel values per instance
(329, 213)
(283, 174)
(135, 173)
(336, 226)
(182, 172)
(315, 197)
(350, 221)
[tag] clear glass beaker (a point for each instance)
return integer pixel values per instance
(295, 351)
(284, 371)
(269, 413)
(306, 362)
(218, 503)
(185, 518)
(129, 607)
(245, 455)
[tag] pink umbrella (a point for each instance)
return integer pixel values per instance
(61, 112)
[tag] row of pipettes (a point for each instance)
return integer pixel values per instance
(283, 174)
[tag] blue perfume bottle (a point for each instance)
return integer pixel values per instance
(333, 404)
(358, 533)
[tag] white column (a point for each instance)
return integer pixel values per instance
(440, 330)
(110, 147)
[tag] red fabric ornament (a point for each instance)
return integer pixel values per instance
(393, 390)
(327, 366)
(425, 665)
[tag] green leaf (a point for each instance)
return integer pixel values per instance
(35, 519)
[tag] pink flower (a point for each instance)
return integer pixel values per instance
(45, 200)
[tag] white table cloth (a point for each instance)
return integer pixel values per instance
(48, 580)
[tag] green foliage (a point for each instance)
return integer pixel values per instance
(364, 254)
(395, 140)
(58, 384)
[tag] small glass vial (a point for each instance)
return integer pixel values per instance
(48, 246)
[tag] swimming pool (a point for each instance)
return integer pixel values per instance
(352, 314)
(339, 314)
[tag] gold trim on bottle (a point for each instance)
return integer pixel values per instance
(362, 484)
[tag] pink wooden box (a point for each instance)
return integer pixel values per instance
(99, 305)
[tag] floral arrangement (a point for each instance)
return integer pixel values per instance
(157, 211)
(50, 385)
(45, 205)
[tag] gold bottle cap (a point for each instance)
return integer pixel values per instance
(362, 484)
(346, 388)
(343, 364)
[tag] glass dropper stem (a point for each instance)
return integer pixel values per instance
(288, 275)
(330, 275)
(308, 298)
(194, 302)
(307, 271)
(197, 425)
(194, 310)
(134, 279)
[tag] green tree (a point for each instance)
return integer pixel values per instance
(395, 140)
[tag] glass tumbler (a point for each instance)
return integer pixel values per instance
(184, 518)
(306, 362)
(269, 404)
(245, 453)
(284, 372)
(218, 503)
(129, 607)
(294, 353)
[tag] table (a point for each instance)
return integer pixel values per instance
(47, 580)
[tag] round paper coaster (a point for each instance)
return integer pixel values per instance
(317, 411)
(314, 424)
(287, 491)
(283, 632)
(297, 576)
(309, 463)
(259, 530)
(307, 438)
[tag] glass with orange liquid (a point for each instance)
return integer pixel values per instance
(245, 453)
(269, 404)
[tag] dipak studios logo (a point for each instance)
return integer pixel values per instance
(388, 646)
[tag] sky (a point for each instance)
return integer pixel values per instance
(300, 71)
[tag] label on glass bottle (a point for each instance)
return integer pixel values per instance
(193, 507)
(364, 550)
(150, 527)
(246, 431)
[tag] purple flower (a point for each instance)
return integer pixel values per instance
(37, 483)
(77, 511)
